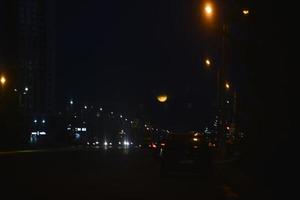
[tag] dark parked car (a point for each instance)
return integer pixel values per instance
(186, 152)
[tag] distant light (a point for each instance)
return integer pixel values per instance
(121, 116)
(126, 119)
(105, 143)
(35, 121)
(154, 145)
(131, 122)
(157, 129)
(77, 136)
(84, 122)
(96, 142)
(162, 98)
(145, 125)
(227, 86)
(140, 145)
(75, 116)
(148, 128)
(101, 109)
(83, 129)
(2, 80)
(26, 89)
(111, 113)
(227, 102)
(88, 143)
(195, 147)
(228, 128)
(71, 102)
(246, 12)
(15, 90)
(85, 107)
(69, 128)
(207, 62)
(42, 133)
(163, 144)
(43, 121)
(208, 9)
(110, 143)
(119, 143)
(196, 134)
(195, 139)
(33, 133)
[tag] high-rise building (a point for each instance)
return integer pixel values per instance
(27, 53)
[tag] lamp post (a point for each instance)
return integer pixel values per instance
(223, 86)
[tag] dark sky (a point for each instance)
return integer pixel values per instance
(123, 53)
(126, 52)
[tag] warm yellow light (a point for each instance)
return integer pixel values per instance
(195, 139)
(3, 80)
(245, 12)
(208, 9)
(227, 86)
(162, 98)
(207, 62)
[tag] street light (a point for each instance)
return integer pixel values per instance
(246, 12)
(162, 98)
(227, 86)
(208, 9)
(207, 62)
(2, 80)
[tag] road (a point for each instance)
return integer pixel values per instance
(73, 173)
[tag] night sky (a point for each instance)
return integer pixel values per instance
(122, 54)
(126, 52)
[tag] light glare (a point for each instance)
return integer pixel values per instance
(162, 98)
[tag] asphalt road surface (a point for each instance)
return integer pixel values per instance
(101, 174)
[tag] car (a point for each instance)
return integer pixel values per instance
(186, 152)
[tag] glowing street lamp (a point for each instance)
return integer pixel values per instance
(208, 9)
(246, 12)
(207, 62)
(227, 86)
(162, 98)
(2, 80)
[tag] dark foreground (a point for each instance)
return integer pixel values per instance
(107, 174)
